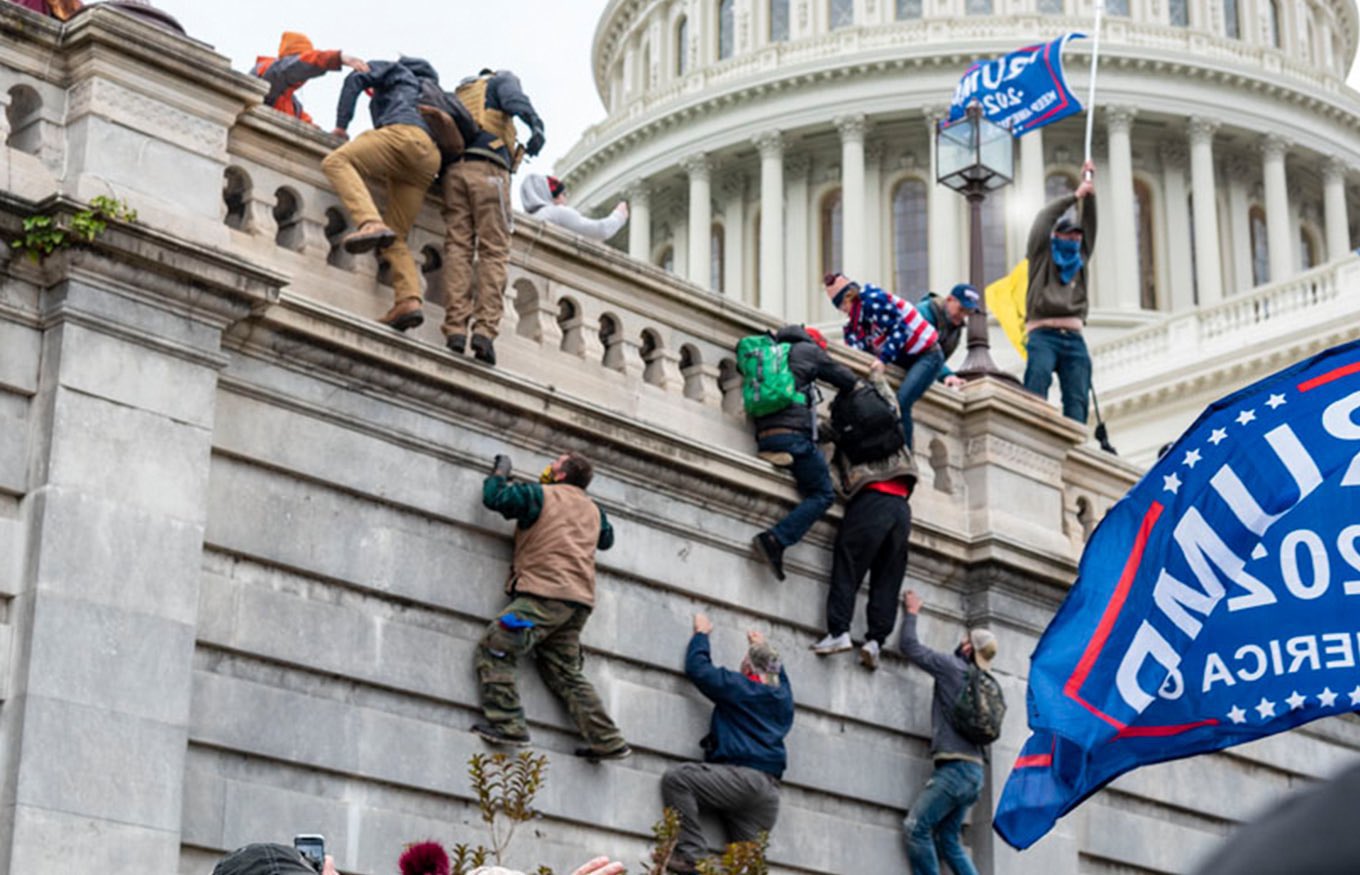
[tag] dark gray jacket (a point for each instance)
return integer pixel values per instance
(396, 89)
(950, 671)
(809, 363)
(1047, 297)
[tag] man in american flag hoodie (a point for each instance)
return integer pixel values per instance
(893, 330)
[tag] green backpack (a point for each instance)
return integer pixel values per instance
(980, 708)
(768, 385)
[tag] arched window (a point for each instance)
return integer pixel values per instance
(911, 244)
(682, 46)
(715, 253)
(978, 7)
(1308, 249)
(727, 32)
(832, 230)
(779, 21)
(24, 115)
(1232, 23)
(1117, 7)
(1179, 12)
(907, 9)
(1147, 256)
(666, 260)
(994, 264)
(1260, 253)
(842, 13)
(1273, 23)
(1050, 7)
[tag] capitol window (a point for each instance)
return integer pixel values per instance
(1050, 7)
(1232, 23)
(842, 13)
(911, 233)
(726, 29)
(1179, 12)
(1308, 248)
(1260, 253)
(1117, 7)
(779, 21)
(908, 9)
(978, 7)
(1147, 256)
(682, 46)
(715, 254)
(1273, 24)
(832, 228)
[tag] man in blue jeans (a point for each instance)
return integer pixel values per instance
(935, 822)
(1056, 301)
(789, 438)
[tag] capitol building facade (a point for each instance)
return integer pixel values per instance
(762, 143)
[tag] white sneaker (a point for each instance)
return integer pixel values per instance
(833, 644)
(868, 655)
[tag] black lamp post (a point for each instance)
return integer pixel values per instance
(974, 156)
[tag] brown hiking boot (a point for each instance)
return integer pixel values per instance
(405, 314)
(370, 235)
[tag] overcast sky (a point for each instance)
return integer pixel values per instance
(546, 42)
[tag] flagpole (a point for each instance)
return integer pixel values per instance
(1091, 95)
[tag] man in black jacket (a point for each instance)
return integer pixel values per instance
(744, 754)
(792, 433)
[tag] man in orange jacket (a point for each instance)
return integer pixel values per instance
(297, 62)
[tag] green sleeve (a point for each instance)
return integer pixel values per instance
(514, 501)
(606, 531)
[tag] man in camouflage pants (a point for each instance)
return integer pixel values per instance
(552, 585)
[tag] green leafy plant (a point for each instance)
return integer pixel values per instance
(45, 234)
(665, 836)
(740, 858)
(505, 788)
(466, 858)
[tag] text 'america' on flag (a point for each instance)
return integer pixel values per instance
(1021, 91)
(1216, 603)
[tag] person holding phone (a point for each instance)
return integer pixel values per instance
(268, 858)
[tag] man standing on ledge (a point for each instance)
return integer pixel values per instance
(1056, 302)
(552, 589)
(744, 754)
(935, 822)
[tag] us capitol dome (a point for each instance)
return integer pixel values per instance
(762, 143)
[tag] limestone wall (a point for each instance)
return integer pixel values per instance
(243, 559)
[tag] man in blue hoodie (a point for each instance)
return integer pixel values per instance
(744, 755)
(398, 150)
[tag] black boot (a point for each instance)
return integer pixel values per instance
(456, 343)
(483, 349)
(770, 551)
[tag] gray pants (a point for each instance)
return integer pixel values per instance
(745, 800)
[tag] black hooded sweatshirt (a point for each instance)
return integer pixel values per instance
(809, 363)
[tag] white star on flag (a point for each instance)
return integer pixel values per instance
(1355, 695)
(1245, 417)
(1219, 436)
(1296, 701)
(1275, 401)
(1191, 459)
(1326, 697)
(1266, 708)
(1172, 483)
(1237, 715)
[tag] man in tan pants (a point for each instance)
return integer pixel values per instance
(399, 150)
(477, 218)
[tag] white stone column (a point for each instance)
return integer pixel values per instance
(640, 221)
(942, 210)
(1237, 230)
(1279, 239)
(1123, 225)
(771, 256)
(797, 261)
(852, 129)
(1334, 206)
(733, 190)
(1208, 271)
(700, 218)
(1176, 200)
(874, 225)
(1028, 190)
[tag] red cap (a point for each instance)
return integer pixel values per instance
(817, 336)
(555, 186)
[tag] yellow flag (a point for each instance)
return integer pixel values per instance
(1006, 301)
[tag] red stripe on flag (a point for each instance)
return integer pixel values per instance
(1035, 761)
(1330, 376)
(1088, 659)
(1162, 731)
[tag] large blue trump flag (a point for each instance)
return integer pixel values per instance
(1218, 602)
(1021, 91)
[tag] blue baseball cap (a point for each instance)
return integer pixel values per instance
(967, 295)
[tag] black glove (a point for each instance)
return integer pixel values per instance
(501, 466)
(535, 144)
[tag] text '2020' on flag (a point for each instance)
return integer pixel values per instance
(1020, 91)
(1216, 603)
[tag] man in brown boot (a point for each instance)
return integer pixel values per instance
(399, 150)
(477, 219)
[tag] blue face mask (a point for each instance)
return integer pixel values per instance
(1067, 256)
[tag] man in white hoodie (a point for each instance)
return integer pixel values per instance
(545, 198)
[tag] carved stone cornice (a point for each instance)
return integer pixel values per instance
(852, 127)
(1334, 171)
(697, 166)
(1201, 130)
(770, 144)
(1119, 119)
(1273, 147)
(638, 192)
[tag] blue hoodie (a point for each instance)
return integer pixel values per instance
(750, 719)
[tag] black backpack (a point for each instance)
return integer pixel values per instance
(866, 426)
(979, 709)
